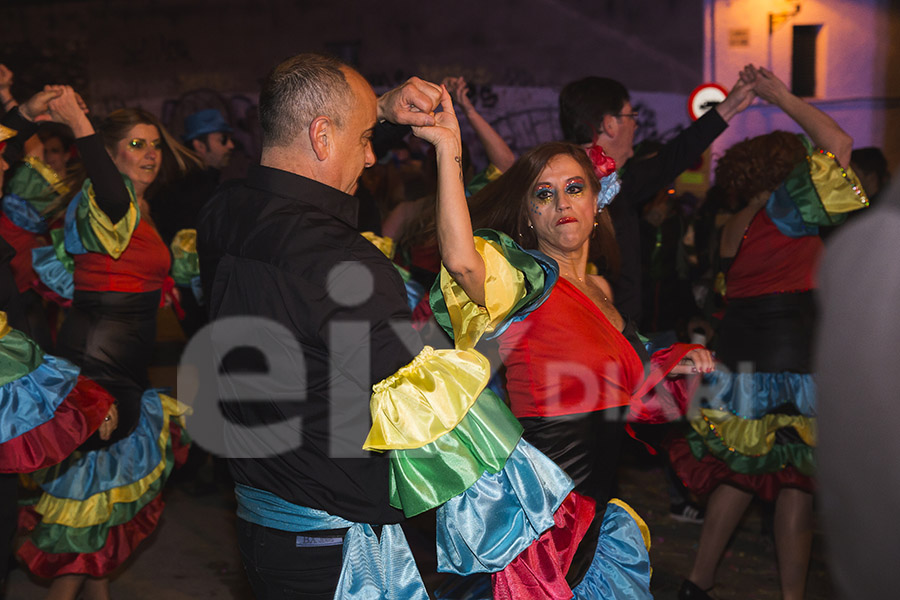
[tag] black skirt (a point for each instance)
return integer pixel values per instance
(774, 333)
(110, 335)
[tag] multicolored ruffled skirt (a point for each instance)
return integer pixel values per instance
(756, 429)
(97, 506)
(47, 409)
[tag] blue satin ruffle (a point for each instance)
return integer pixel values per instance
(128, 460)
(786, 216)
(414, 293)
(609, 188)
(483, 529)
(21, 212)
(33, 399)
(754, 395)
(52, 272)
(372, 569)
(620, 569)
(72, 237)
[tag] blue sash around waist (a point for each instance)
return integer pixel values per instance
(372, 569)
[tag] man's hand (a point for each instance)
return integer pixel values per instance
(413, 103)
(741, 95)
(445, 131)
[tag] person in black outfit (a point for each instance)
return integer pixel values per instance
(598, 110)
(283, 246)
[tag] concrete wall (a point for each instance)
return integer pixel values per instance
(175, 56)
(858, 81)
(122, 51)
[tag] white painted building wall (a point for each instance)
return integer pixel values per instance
(857, 68)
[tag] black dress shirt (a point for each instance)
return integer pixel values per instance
(286, 248)
(641, 180)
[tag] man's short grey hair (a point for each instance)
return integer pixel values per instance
(297, 91)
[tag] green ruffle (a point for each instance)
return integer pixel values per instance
(61, 539)
(489, 174)
(58, 237)
(426, 477)
(19, 356)
(185, 262)
(799, 456)
(515, 256)
(28, 183)
(96, 231)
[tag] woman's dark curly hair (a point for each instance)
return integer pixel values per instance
(757, 165)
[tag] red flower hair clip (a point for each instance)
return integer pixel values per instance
(603, 164)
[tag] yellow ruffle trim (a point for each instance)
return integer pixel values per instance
(504, 286)
(114, 237)
(752, 437)
(385, 244)
(49, 175)
(4, 325)
(426, 398)
(98, 508)
(6, 133)
(839, 189)
(645, 531)
(184, 242)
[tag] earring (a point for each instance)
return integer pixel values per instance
(594, 230)
(530, 226)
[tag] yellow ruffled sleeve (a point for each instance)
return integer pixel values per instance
(839, 189)
(504, 287)
(425, 399)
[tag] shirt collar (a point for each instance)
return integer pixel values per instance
(325, 198)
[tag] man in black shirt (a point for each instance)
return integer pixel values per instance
(321, 312)
(598, 109)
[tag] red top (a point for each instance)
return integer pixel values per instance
(567, 358)
(23, 241)
(770, 262)
(141, 268)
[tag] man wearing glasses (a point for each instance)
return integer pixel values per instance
(598, 110)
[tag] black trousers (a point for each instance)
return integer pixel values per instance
(282, 565)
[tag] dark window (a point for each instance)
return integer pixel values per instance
(803, 61)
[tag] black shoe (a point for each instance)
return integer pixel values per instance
(690, 591)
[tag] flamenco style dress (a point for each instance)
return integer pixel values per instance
(104, 498)
(504, 491)
(756, 427)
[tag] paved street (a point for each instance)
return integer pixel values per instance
(193, 553)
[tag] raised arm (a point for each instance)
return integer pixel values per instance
(821, 129)
(454, 226)
(110, 192)
(6, 98)
(497, 150)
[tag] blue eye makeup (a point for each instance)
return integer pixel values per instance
(544, 193)
(575, 187)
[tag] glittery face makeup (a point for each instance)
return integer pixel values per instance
(139, 155)
(561, 207)
(140, 144)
